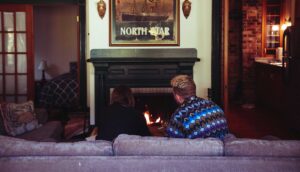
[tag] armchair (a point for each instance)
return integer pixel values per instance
(41, 130)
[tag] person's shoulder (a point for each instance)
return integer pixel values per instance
(129, 110)
(205, 101)
(111, 107)
(208, 103)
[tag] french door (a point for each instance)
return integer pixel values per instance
(16, 53)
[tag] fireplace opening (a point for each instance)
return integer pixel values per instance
(159, 106)
(158, 102)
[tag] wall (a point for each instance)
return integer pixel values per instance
(235, 58)
(55, 30)
(289, 10)
(252, 46)
(297, 13)
(195, 32)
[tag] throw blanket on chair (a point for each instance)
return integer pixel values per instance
(60, 92)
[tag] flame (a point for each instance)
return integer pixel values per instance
(147, 116)
(157, 120)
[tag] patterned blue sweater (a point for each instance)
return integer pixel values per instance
(197, 118)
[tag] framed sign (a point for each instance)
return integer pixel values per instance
(144, 23)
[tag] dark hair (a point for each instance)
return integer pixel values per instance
(123, 95)
(184, 86)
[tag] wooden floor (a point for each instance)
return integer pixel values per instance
(258, 123)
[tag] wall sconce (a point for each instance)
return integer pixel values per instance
(186, 8)
(101, 7)
(286, 24)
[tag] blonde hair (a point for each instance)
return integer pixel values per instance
(123, 95)
(183, 85)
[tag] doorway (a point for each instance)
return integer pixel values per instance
(35, 74)
(240, 33)
(55, 38)
(56, 42)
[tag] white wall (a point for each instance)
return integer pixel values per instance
(195, 32)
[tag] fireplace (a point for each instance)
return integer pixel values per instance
(137, 68)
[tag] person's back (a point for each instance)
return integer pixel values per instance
(198, 118)
(121, 117)
(195, 117)
(121, 120)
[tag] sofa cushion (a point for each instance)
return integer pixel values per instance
(18, 147)
(255, 147)
(18, 118)
(49, 131)
(162, 146)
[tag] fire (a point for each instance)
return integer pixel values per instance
(147, 116)
(157, 120)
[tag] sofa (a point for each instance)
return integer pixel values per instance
(136, 153)
(45, 131)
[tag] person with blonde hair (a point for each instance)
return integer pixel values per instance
(121, 117)
(195, 117)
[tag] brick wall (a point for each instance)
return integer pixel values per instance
(245, 34)
(251, 35)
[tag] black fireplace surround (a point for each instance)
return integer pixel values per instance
(137, 68)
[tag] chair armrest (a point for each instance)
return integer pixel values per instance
(41, 115)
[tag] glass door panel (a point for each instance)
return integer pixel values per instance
(8, 21)
(21, 21)
(10, 64)
(9, 99)
(21, 42)
(22, 63)
(9, 41)
(16, 64)
(22, 84)
(10, 84)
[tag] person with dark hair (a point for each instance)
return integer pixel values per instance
(195, 117)
(121, 117)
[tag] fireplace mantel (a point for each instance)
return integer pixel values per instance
(137, 68)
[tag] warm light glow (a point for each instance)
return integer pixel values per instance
(147, 117)
(157, 120)
(285, 25)
(275, 28)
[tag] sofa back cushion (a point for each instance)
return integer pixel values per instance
(162, 146)
(255, 147)
(18, 147)
(18, 118)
